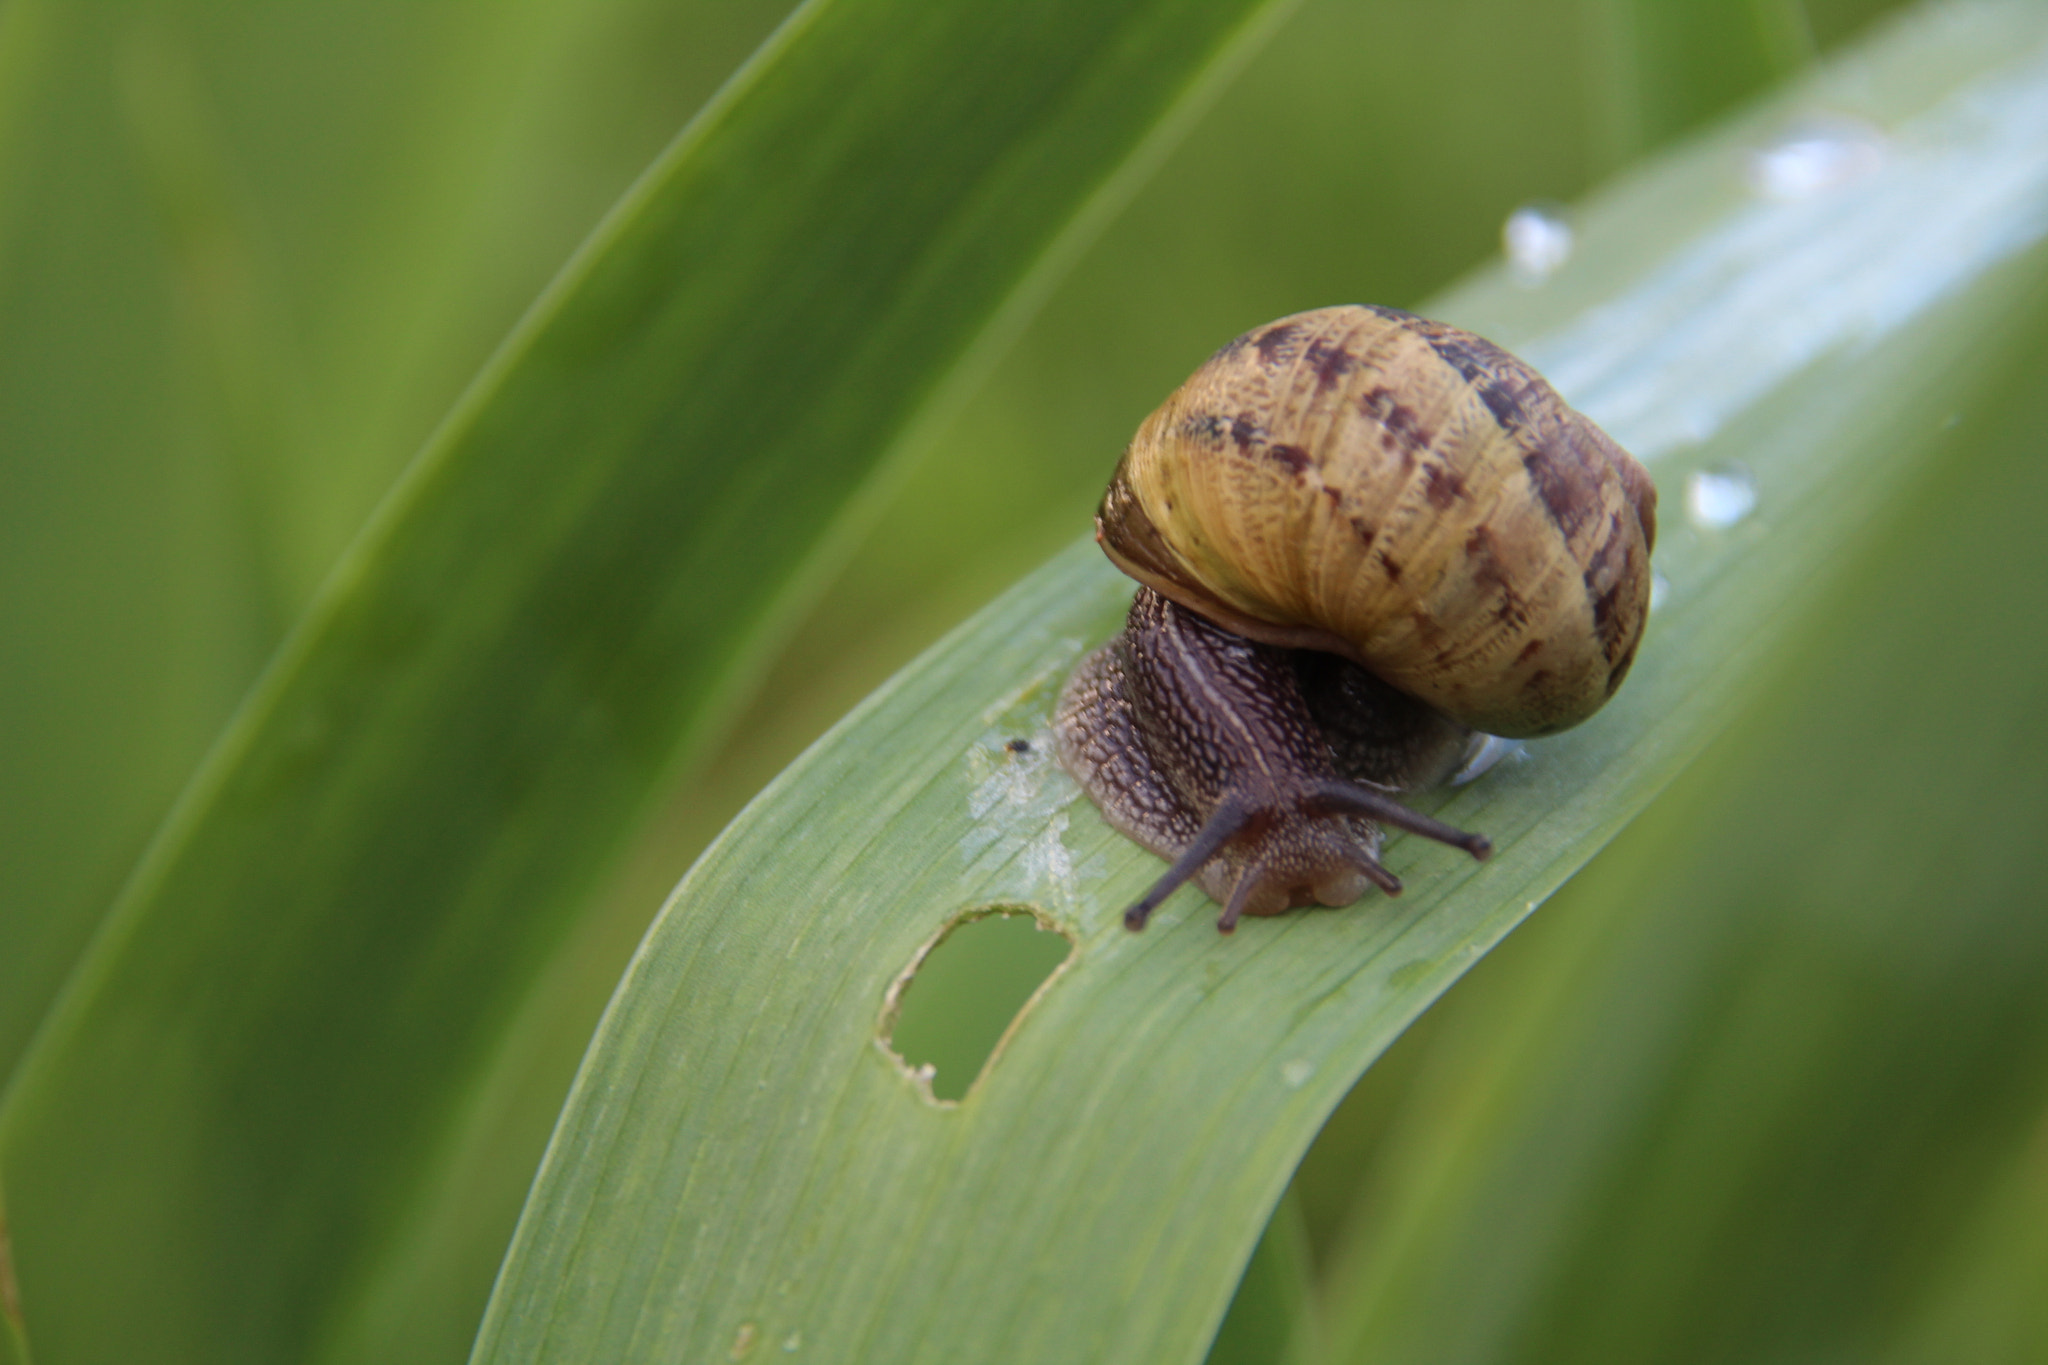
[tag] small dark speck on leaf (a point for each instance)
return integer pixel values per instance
(1019, 746)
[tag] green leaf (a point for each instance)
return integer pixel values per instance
(254, 1073)
(1272, 1314)
(249, 259)
(743, 1168)
(1774, 1070)
(1770, 1078)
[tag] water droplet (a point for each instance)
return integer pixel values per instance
(1295, 1074)
(1538, 241)
(793, 1343)
(1716, 499)
(1816, 155)
(1660, 591)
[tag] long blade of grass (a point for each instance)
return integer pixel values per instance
(743, 1166)
(224, 1121)
(293, 237)
(1773, 1070)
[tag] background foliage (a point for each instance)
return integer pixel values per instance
(249, 255)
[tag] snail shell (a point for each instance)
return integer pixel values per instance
(1364, 537)
(1404, 494)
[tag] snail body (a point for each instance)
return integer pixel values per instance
(1365, 539)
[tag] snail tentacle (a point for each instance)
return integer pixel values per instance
(1376, 873)
(1240, 896)
(1348, 798)
(1230, 817)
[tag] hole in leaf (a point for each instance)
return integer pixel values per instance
(947, 1015)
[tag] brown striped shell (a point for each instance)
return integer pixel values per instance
(1371, 483)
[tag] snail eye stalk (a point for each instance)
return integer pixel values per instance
(1348, 798)
(1224, 823)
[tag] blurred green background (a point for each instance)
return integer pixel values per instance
(251, 253)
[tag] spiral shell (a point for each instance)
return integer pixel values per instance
(1371, 483)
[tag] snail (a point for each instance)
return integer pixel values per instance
(1365, 541)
